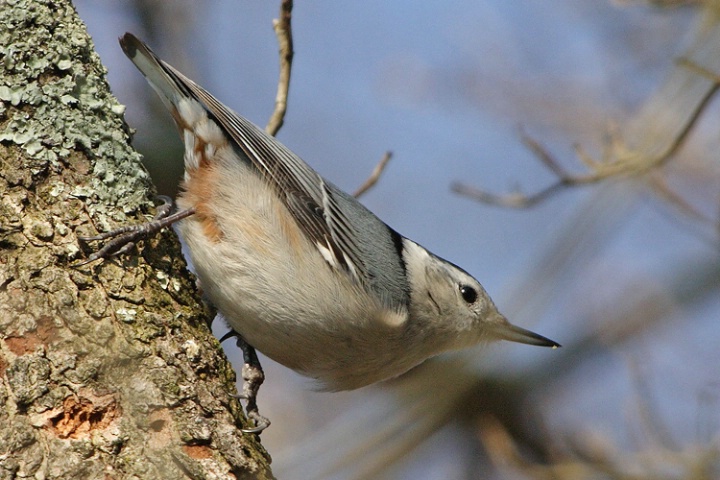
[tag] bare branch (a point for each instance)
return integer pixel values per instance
(663, 190)
(658, 3)
(514, 200)
(697, 68)
(543, 155)
(646, 413)
(375, 175)
(519, 200)
(283, 31)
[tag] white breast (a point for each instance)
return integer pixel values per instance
(273, 286)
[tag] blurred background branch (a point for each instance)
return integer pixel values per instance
(374, 175)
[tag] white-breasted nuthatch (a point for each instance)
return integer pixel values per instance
(300, 269)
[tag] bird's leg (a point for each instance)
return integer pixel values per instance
(253, 377)
(124, 238)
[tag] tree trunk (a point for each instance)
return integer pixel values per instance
(107, 370)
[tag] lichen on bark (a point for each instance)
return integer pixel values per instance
(108, 370)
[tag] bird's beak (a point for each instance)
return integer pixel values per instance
(505, 330)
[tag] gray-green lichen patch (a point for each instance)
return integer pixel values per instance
(28, 378)
(72, 108)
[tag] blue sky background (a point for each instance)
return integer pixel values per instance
(447, 86)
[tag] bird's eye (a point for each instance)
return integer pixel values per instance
(469, 294)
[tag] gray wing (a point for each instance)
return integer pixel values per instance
(326, 215)
(302, 190)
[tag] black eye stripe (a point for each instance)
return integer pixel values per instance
(468, 293)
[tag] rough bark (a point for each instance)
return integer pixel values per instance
(108, 370)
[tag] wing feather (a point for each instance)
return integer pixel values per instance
(303, 191)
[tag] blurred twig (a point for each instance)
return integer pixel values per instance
(283, 31)
(659, 3)
(662, 189)
(593, 458)
(647, 412)
(374, 176)
(518, 200)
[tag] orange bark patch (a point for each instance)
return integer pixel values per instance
(22, 345)
(198, 452)
(80, 416)
(45, 331)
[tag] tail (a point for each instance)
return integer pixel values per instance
(170, 84)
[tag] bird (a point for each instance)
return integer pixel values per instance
(299, 269)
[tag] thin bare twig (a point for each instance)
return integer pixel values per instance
(658, 3)
(647, 414)
(283, 31)
(663, 190)
(374, 176)
(519, 200)
(513, 200)
(543, 155)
